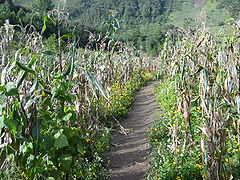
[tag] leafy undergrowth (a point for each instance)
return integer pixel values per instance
(178, 152)
(169, 160)
(56, 150)
(58, 103)
(122, 95)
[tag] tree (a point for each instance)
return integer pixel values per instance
(233, 7)
(3, 1)
(6, 14)
(43, 6)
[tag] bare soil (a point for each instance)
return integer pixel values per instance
(129, 155)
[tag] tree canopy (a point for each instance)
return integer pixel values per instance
(143, 22)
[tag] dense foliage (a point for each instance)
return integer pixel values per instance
(143, 23)
(197, 136)
(58, 102)
(233, 7)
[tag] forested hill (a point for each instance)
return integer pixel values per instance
(142, 22)
(145, 22)
(129, 12)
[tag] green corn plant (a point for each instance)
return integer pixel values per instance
(55, 101)
(206, 74)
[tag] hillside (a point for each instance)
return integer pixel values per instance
(135, 12)
(129, 12)
(194, 12)
(143, 22)
(76, 101)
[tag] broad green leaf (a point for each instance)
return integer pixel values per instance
(50, 178)
(47, 102)
(23, 74)
(30, 159)
(94, 81)
(36, 128)
(47, 91)
(20, 78)
(26, 147)
(58, 133)
(11, 124)
(48, 142)
(61, 141)
(46, 20)
(55, 92)
(59, 116)
(25, 68)
(2, 88)
(67, 117)
(33, 60)
(49, 53)
(70, 35)
(80, 149)
(29, 103)
(65, 161)
(70, 97)
(11, 89)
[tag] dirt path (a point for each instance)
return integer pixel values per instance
(129, 155)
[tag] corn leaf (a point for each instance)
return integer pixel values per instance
(94, 81)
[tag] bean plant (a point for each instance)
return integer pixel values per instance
(58, 101)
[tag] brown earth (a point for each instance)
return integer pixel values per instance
(129, 155)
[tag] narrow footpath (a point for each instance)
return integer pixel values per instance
(129, 155)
